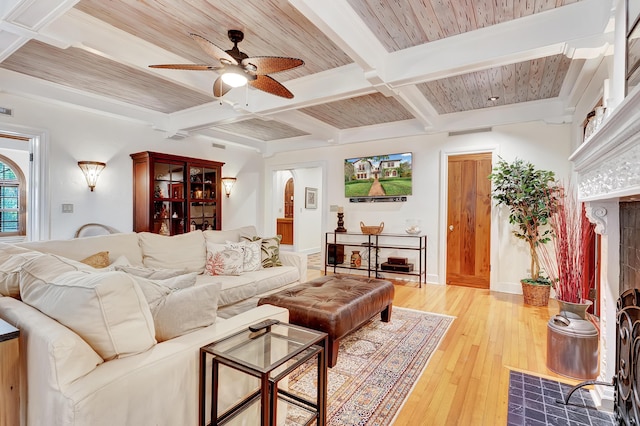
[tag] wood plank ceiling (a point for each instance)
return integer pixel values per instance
(329, 88)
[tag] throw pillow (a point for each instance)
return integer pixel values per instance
(223, 260)
(97, 260)
(184, 251)
(270, 250)
(108, 309)
(180, 310)
(252, 260)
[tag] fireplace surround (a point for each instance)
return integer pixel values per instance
(608, 173)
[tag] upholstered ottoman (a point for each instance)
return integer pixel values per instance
(335, 304)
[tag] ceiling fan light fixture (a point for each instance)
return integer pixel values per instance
(234, 78)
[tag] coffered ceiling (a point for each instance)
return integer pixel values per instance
(373, 69)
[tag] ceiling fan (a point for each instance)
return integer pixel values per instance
(237, 68)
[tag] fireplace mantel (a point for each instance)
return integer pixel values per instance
(608, 168)
(608, 163)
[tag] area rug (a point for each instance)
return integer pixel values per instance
(377, 368)
(314, 261)
(533, 401)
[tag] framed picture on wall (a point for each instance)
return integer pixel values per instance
(310, 198)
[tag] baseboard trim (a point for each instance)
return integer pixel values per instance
(507, 287)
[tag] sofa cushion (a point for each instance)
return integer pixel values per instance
(98, 260)
(233, 287)
(223, 259)
(184, 251)
(107, 309)
(78, 248)
(273, 278)
(177, 306)
(270, 249)
(151, 273)
(221, 237)
(252, 259)
(11, 260)
(67, 355)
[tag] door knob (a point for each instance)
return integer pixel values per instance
(450, 227)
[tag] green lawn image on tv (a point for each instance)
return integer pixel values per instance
(393, 171)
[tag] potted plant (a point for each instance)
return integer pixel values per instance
(526, 191)
(564, 260)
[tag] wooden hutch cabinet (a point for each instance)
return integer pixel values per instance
(173, 194)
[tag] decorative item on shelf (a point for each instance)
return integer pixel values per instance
(412, 227)
(192, 227)
(157, 193)
(164, 229)
(341, 227)
(371, 230)
(205, 225)
(356, 259)
(174, 215)
(227, 183)
(164, 213)
(91, 170)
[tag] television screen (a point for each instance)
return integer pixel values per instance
(378, 176)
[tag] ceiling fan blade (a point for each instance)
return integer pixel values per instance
(261, 65)
(269, 85)
(213, 50)
(191, 67)
(220, 88)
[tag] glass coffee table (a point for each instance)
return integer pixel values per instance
(268, 351)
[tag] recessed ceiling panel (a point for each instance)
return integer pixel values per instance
(514, 83)
(271, 28)
(264, 130)
(361, 111)
(85, 71)
(402, 24)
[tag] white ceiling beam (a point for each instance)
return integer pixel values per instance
(83, 31)
(35, 88)
(343, 26)
(527, 38)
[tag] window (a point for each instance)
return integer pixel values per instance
(12, 199)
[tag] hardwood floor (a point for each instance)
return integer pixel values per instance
(466, 381)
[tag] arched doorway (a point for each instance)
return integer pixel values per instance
(284, 224)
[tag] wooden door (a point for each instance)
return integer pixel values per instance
(469, 220)
(284, 225)
(288, 199)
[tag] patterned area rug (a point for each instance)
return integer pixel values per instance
(314, 261)
(377, 367)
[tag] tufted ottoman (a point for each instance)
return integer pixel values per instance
(335, 304)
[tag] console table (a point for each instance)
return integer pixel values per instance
(9, 375)
(371, 246)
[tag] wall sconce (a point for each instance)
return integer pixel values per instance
(91, 170)
(228, 182)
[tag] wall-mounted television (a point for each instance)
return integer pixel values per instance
(378, 178)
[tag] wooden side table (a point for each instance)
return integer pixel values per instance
(9, 375)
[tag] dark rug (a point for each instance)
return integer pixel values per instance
(532, 402)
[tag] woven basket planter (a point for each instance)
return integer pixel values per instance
(535, 295)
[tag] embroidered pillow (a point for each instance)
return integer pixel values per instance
(270, 250)
(223, 260)
(252, 250)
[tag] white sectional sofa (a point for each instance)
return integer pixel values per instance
(90, 357)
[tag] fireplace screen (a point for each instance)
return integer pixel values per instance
(627, 389)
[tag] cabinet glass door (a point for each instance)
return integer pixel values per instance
(203, 186)
(168, 199)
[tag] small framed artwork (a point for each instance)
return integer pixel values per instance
(311, 198)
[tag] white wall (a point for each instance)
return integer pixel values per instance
(547, 146)
(80, 135)
(308, 222)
